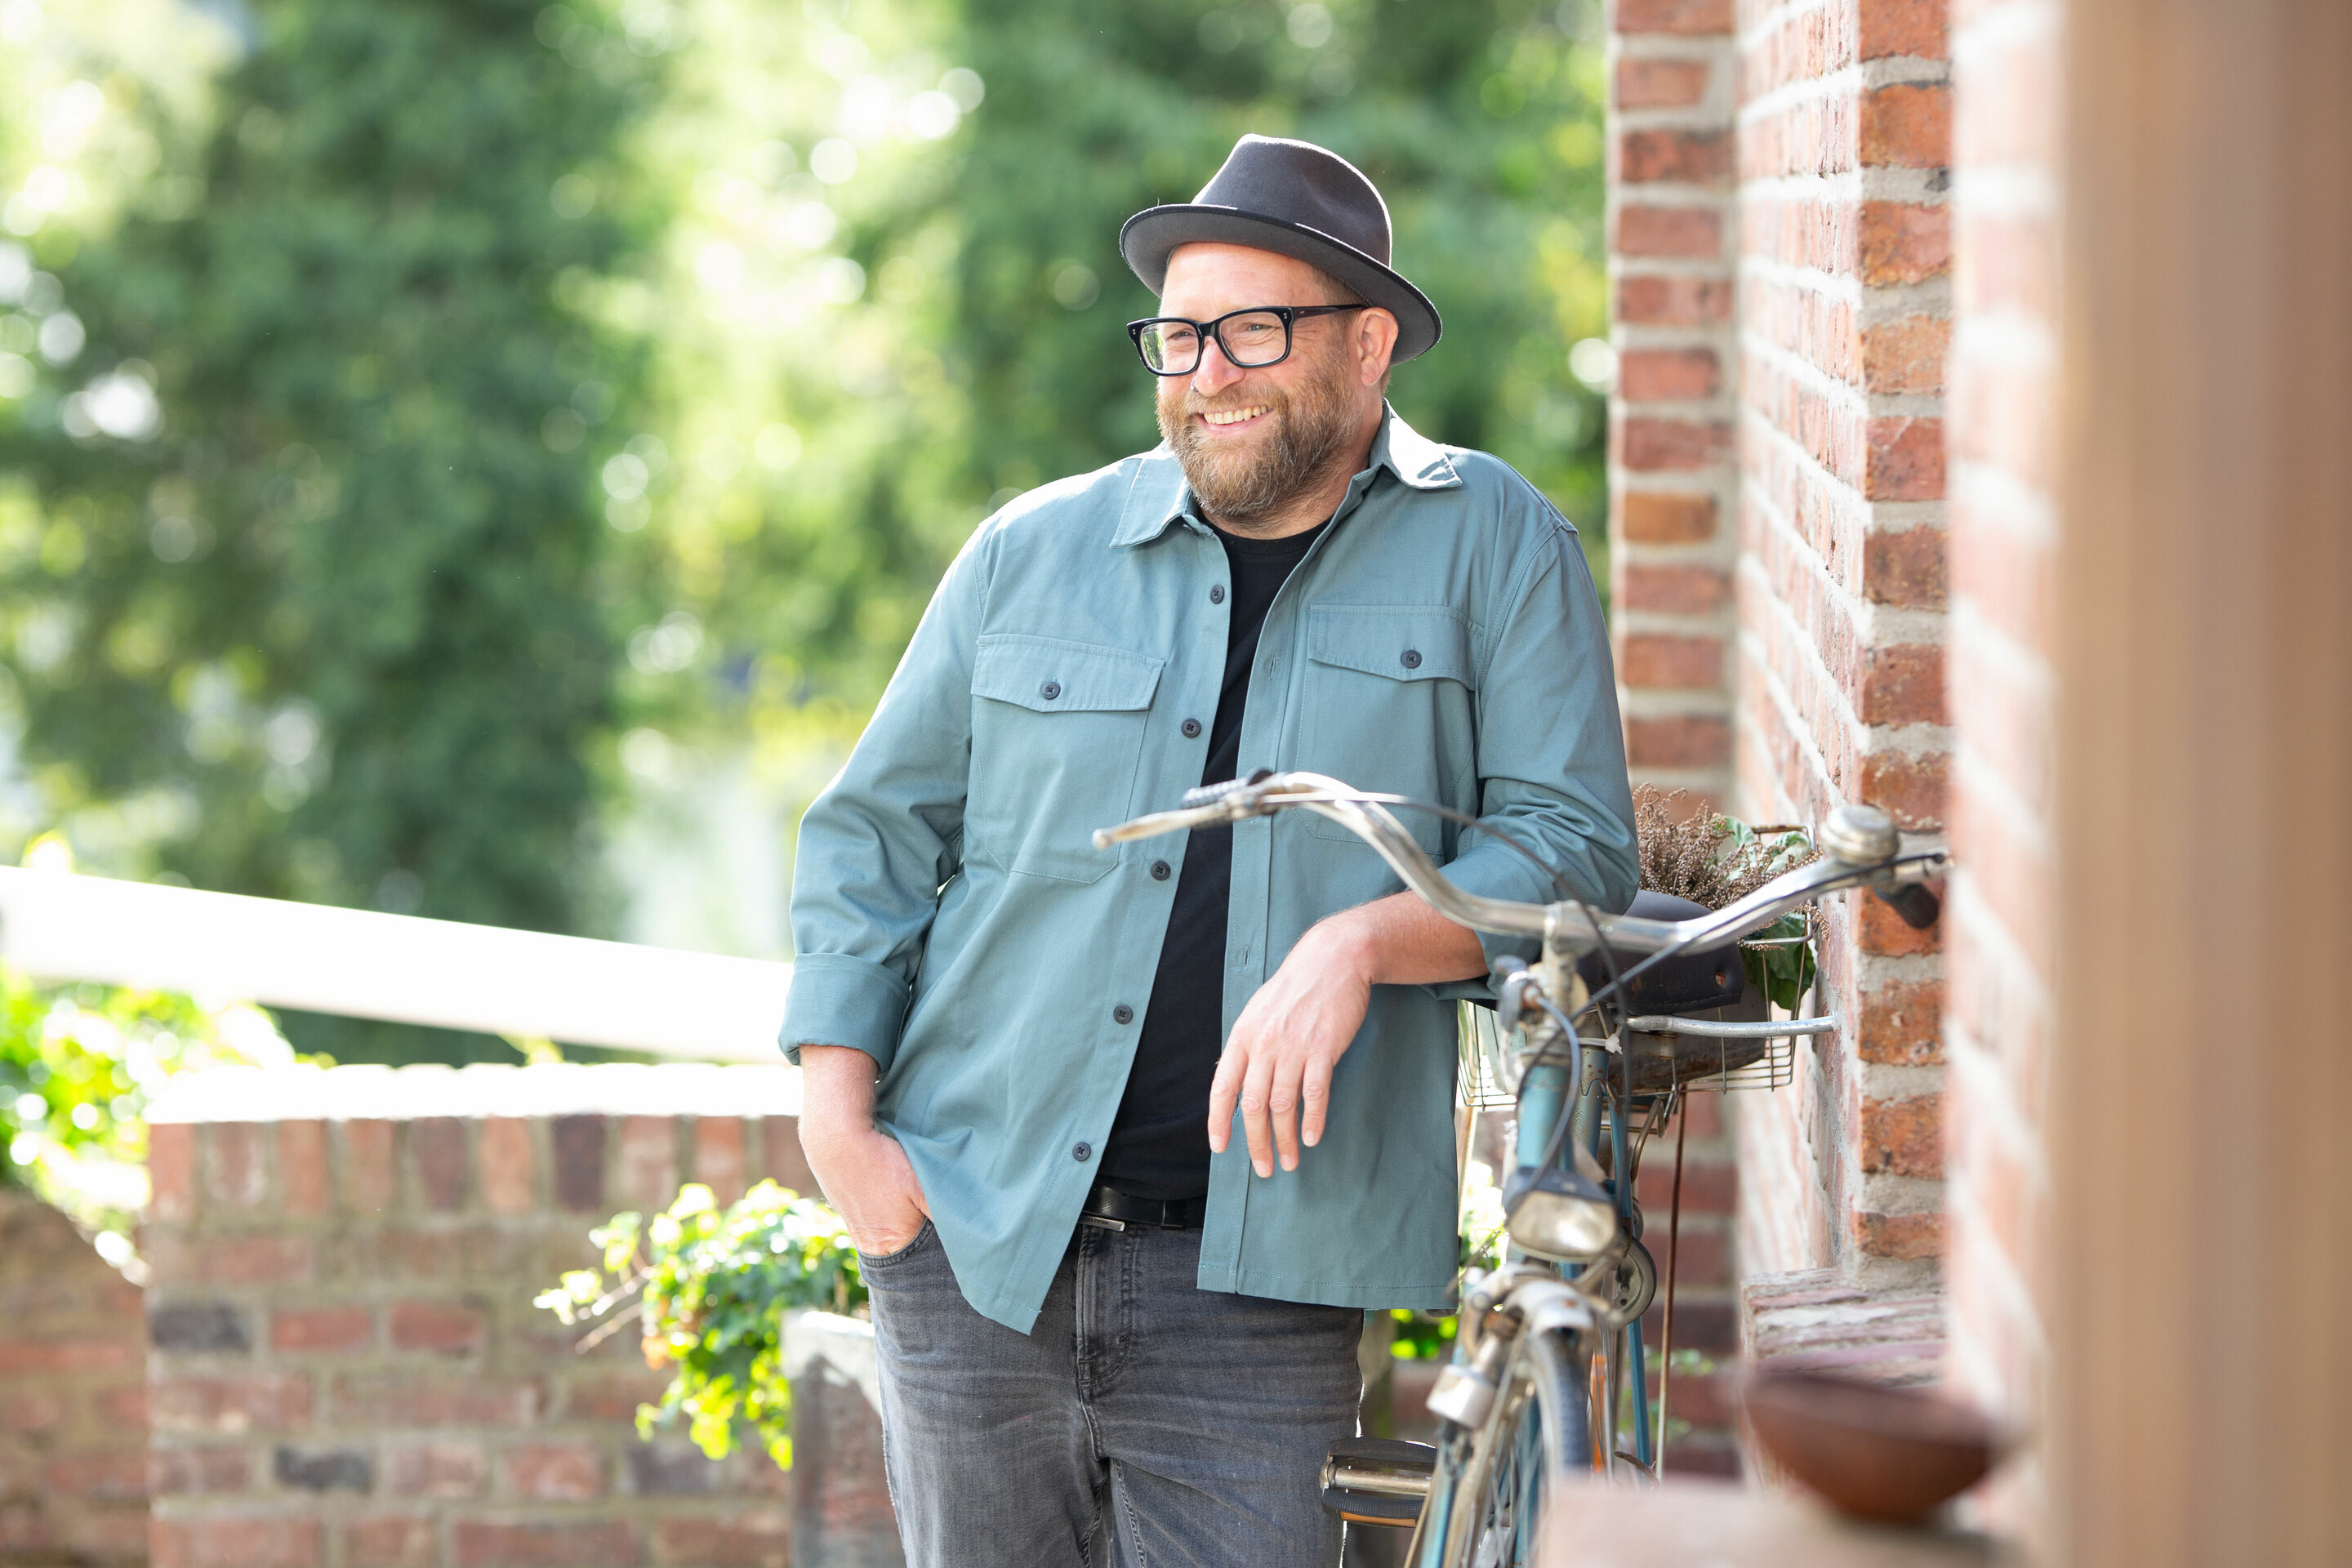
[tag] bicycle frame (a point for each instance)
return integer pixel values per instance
(1533, 1304)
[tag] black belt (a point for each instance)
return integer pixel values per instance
(1108, 1204)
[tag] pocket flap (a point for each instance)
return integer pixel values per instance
(1050, 676)
(1410, 642)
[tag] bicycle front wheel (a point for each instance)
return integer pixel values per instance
(1536, 1441)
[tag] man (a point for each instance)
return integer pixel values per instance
(1100, 1317)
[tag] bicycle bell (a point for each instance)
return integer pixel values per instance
(1860, 836)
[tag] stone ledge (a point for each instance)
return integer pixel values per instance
(303, 1093)
(1818, 1321)
(1703, 1524)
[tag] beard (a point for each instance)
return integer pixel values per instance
(1308, 428)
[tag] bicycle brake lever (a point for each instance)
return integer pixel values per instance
(1210, 794)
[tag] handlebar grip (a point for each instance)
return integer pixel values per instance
(1919, 907)
(1209, 795)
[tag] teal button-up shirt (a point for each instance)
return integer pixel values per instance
(955, 922)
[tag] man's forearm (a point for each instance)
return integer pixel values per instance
(836, 1091)
(1398, 941)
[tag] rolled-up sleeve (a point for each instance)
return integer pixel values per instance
(1551, 755)
(886, 836)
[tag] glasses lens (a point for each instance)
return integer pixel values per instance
(1254, 338)
(1170, 348)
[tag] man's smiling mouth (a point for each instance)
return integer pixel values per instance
(1233, 415)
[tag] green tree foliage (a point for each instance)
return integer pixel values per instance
(344, 608)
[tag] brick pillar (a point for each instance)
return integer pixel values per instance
(346, 1368)
(1998, 1027)
(1843, 319)
(1671, 474)
(73, 1397)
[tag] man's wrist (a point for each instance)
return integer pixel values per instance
(1348, 943)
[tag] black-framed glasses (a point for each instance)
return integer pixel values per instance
(1251, 339)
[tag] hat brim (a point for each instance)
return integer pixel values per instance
(1151, 236)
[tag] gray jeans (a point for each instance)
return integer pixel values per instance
(1186, 1426)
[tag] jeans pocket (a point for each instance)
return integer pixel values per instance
(869, 1261)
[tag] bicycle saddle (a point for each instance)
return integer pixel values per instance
(1696, 981)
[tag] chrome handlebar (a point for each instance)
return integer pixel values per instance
(1855, 830)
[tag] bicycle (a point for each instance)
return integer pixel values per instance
(1530, 1399)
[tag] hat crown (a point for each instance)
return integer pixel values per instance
(1299, 183)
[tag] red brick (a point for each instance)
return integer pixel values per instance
(1646, 445)
(780, 1141)
(437, 1471)
(1914, 28)
(606, 1543)
(405, 1399)
(1901, 1023)
(236, 1544)
(1904, 567)
(1703, 1252)
(302, 1167)
(443, 1327)
(1682, 590)
(1708, 1188)
(1683, 740)
(273, 1401)
(1902, 684)
(1899, 1236)
(1906, 356)
(741, 1541)
(718, 1156)
(1667, 375)
(1687, 232)
(1906, 126)
(1907, 786)
(437, 1144)
(181, 1472)
(180, 1259)
(124, 1404)
(555, 1472)
(172, 1170)
(1906, 459)
(32, 1414)
(1679, 157)
(1684, 17)
(1644, 82)
(1902, 243)
(239, 1173)
(1675, 301)
(391, 1541)
(1665, 517)
(368, 1170)
(579, 1144)
(1903, 1137)
(610, 1398)
(1656, 660)
(329, 1328)
(648, 1173)
(510, 1165)
(37, 1358)
(107, 1477)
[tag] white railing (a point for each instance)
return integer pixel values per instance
(56, 925)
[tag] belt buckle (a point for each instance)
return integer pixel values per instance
(1102, 1222)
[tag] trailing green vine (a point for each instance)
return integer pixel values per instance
(711, 1287)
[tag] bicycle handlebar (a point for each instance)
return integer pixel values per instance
(1854, 830)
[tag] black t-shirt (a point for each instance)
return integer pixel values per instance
(1158, 1147)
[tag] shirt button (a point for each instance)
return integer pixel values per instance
(1122, 1014)
(1082, 1153)
(1159, 871)
(1217, 595)
(1411, 661)
(1192, 728)
(1053, 689)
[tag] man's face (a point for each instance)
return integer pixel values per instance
(1250, 440)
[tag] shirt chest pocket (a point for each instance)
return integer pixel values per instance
(1388, 705)
(1056, 742)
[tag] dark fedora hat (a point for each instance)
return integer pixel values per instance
(1297, 199)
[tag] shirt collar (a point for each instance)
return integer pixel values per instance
(1157, 500)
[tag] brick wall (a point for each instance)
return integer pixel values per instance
(1842, 314)
(1999, 1026)
(73, 1394)
(346, 1368)
(1671, 473)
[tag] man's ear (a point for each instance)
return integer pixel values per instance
(1374, 341)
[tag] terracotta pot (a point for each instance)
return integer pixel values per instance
(1890, 1455)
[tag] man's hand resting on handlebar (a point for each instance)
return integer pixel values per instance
(1278, 1062)
(864, 1173)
